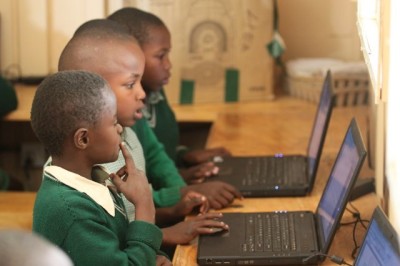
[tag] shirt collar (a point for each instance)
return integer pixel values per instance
(98, 192)
(154, 97)
(149, 110)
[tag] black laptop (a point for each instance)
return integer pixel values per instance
(381, 243)
(288, 237)
(281, 175)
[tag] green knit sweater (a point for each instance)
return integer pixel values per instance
(87, 233)
(160, 169)
(162, 121)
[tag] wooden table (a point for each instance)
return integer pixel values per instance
(284, 126)
(16, 210)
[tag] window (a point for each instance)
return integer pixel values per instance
(380, 42)
(368, 23)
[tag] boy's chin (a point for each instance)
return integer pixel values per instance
(128, 123)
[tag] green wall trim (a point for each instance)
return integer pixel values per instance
(231, 85)
(187, 92)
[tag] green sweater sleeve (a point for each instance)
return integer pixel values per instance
(160, 169)
(91, 237)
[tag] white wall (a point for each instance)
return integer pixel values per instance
(319, 28)
(34, 32)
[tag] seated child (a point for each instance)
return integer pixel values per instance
(105, 47)
(155, 41)
(74, 115)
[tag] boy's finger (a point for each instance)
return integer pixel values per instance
(127, 156)
(121, 172)
(204, 207)
(215, 170)
(235, 192)
(116, 180)
(198, 199)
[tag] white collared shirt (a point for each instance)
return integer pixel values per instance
(96, 191)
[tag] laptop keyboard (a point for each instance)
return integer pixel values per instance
(274, 170)
(270, 232)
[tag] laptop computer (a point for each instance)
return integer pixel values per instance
(288, 237)
(381, 243)
(281, 175)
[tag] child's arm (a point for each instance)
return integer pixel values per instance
(198, 173)
(184, 232)
(190, 201)
(219, 194)
(194, 157)
(134, 185)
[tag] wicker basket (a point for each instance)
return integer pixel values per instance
(307, 88)
(351, 89)
(305, 77)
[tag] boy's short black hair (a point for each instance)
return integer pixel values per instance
(64, 102)
(137, 21)
(101, 28)
(98, 31)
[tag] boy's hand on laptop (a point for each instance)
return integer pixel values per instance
(134, 185)
(184, 232)
(201, 156)
(189, 202)
(199, 173)
(219, 194)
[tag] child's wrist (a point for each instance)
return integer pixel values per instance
(145, 212)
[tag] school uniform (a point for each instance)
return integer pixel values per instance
(161, 119)
(88, 221)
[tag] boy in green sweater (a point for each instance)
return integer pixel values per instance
(74, 115)
(106, 48)
(154, 38)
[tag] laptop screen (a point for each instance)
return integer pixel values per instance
(380, 246)
(320, 127)
(342, 177)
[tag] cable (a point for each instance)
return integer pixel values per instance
(358, 220)
(358, 216)
(336, 259)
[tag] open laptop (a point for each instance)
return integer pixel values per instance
(288, 237)
(281, 175)
(381, 243)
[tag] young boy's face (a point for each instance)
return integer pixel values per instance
(106, 134)
(156, 51)
(123, 70)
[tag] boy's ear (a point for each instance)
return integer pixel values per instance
(81, 138)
